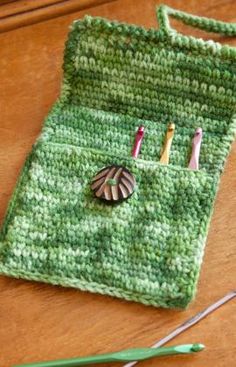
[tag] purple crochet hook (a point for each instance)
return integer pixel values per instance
(196, 145)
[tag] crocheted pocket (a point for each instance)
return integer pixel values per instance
(147, 249)
(117, 76)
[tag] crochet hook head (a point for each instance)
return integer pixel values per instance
(138, 142)
(198, 134)
(141, 354)
(171, 127)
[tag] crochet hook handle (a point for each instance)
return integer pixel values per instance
(138, 142)
(126, 355)
(196, 145)
(165, 157)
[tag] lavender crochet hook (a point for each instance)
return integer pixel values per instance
(190, 322)
(196, 146)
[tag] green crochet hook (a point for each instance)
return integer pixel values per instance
(137, 354)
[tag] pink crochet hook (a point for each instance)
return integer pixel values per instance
(196, 145)
(138, 142)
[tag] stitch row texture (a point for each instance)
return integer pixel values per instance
(116, 77)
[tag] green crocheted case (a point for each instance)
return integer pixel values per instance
(148, 248)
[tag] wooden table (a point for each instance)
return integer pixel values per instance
(39, 321)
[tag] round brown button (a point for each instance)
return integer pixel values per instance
(113, 183)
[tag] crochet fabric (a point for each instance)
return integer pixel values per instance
(117, 77)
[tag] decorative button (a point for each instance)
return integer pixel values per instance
(113, 184)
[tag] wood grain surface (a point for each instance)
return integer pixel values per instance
(41, 322)
(22, 13)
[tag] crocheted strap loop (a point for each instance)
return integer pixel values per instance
(206, 24)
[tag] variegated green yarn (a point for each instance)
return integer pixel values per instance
(116, 77)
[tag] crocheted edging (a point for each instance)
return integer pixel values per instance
(181, 302)
(173, 39)
(12, 202)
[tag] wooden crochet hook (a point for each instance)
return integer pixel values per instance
(165, 156)
(196, 146)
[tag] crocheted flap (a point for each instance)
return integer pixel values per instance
(157, 75)
(150, 247)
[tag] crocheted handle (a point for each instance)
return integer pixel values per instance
(206, 24)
